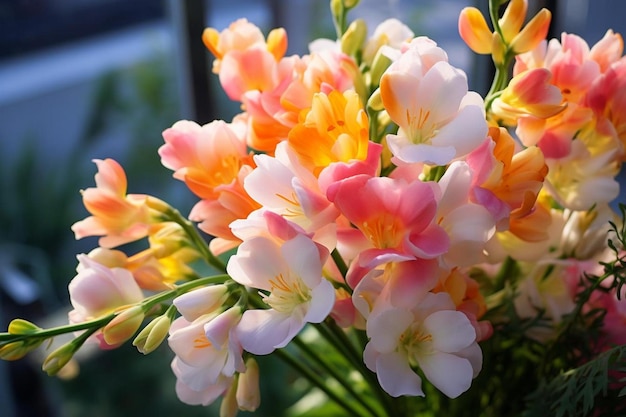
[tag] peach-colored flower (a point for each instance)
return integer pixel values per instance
(242, 35)
(213, 160)
(117, 217)
(438, 118)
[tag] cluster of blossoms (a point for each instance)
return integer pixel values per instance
(364, 185)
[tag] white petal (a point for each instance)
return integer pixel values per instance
(451, 330)
(262, 331)
(465, 132)
(451, 374)
(303, 259)
(385, 328)
(396, 376)
(322, 301)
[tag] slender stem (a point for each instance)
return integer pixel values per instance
(315, 380)
(332, 371)
(104, 320)
(341, 264)
(357, 360)
(56, 331)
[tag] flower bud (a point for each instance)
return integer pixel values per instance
(21, 326)
(248, 394)
(513, 18)
(60, 357)
(123, 326)
(380, 63)
(352, 41)
(474, 30)
(350, 4)
(534, 32)
(336, 7)
(277, 43)
(375, 102)
(152, 335)
(497, 49)
(228, 407)
(17, 350)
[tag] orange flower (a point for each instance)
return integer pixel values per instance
(334, 129)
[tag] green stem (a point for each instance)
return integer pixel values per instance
(104, 320)
(332, 371)
(315, 380)
(336, 337)
(341, 264)
(199, 243)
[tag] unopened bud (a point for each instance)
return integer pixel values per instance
(497, 49)
(228, 407)
(352, 41)
(248, 394)
(375, 102)
(380, 63)
(533, 33)
(21, 326)
(152, 335)
(123, 326)
(513, 18)
(350, 4)
(17, 350)
(60, 357)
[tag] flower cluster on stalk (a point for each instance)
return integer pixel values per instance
(365, 189)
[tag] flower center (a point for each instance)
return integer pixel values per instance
(285, 295)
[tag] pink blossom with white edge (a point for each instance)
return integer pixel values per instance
(289, 276)
(438, 118)
(430, 335)
(97, 290)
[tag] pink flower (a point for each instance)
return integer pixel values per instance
(97, 291)
(428, 98)
(208, 354)
(396, 216)
(282, 185)
(290, 278)
(429, 334)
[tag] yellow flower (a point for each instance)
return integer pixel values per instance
(334, 129)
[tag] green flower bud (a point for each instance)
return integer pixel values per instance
(21, 326)
(152, 335)
(60, 357)
(352, 41)
(17, 350)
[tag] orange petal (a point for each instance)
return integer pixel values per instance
(474, 30)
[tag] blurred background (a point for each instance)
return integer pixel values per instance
(85, 79)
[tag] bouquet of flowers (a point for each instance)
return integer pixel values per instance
(408, 246)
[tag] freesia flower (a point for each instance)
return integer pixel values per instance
(117, 217)
(96, 291)
(430, 335)
(334, 129)
(289, 277)
(213, 161)
(438, 118)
